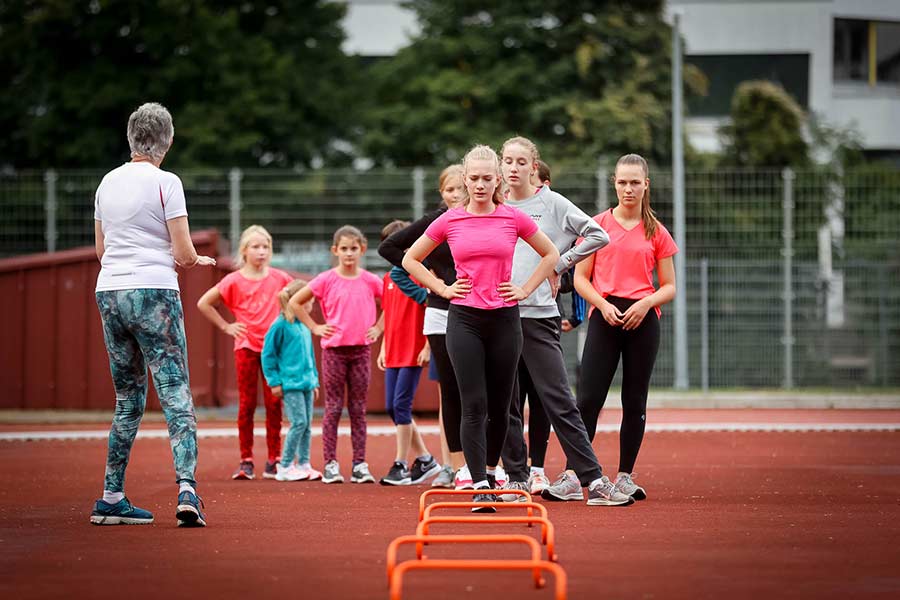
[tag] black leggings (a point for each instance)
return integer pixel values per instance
(484, 346)
(451, 409)
(602, 349)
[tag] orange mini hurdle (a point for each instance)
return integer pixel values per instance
(559, 575)
(442, 492)
(394, 547)
(504, 505)
(547, 532)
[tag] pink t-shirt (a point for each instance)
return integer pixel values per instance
(253, 302)
(624, 268)
(348, 304)
(482, 248)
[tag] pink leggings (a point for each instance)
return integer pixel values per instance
(345, 367)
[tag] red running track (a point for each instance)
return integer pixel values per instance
(742, 514)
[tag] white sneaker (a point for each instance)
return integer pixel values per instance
(463, 479)
(537, 483)
(500, 477)
(361, 474)
(625, 484)
(332, 473)
(291, 473)
(311, 474)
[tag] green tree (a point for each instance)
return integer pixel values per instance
(249, 83)
(583, 78)
(766, 128)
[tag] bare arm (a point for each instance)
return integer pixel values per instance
(182, 246)
(208, 306)
(296, 303)
(98, 239)
(412, 262)
(549, 257)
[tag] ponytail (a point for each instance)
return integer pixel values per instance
(648, 217)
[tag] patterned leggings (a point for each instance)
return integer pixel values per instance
(249, 370)
(345, 366)
(145, 328)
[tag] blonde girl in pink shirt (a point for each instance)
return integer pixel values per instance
(347, 295)
(617, 281)
(484, 333)
(251, 294)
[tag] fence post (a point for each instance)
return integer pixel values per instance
(418, 202)
(787, 252)
(602, 201)
(50, 178)
(234, 207)
(704, 324)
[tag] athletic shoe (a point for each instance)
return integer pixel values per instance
(626, 485)
(244, 470)
(188, 511)
(332, 473)
(537, 483)
(122, 512)
(313, 474)
(500, 477)
(463, 479)
(484, 498)
(360, 474)
(397, 475)
(423, 470)
(271, 470)
(604, 493)
(566, 487)
(291, 473)
(444, 479)
(515, 485)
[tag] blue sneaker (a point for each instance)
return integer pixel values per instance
(122, 512)
(188, 512)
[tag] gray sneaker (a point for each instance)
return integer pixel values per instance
(361, 474)
(566, 487)
(515, 485)
(332, 473)
(604, 493)
(444, 479)
(626, 485)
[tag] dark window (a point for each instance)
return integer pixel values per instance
(851, 50)
(887, 54)
(726, 72)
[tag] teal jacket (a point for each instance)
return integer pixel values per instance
(287, 356)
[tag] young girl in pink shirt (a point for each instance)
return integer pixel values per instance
(624, 321)
(484, 334)
(250, 293)
(347, 295)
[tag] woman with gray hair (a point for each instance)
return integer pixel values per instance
(141, 235)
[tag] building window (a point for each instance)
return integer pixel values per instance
(726, 71)
(867, 51)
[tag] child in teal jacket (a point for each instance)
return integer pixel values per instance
(289, 365)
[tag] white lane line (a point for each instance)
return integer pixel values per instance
(379, 430)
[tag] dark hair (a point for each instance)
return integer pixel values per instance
(351, 232)
(543, 171)
(393, 227)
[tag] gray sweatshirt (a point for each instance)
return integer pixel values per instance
(563, 222)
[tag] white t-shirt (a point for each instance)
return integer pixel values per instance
(133, 203)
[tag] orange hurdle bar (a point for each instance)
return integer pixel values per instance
(463, 539)
(529, 505)
(443, 492)
(559, 574)
(547, 532)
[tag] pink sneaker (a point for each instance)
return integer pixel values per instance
(463, 479)
(311, 474)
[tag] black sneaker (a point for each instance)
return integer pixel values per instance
(271, 470)
(484, 498)
(398, 475)
(423, 470)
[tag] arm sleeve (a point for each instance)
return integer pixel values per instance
(269, 357)
(593, 237)
(171, 194)
(406, 285)
(663, 244)
(392, 248)
(525, 227)
(437, 230)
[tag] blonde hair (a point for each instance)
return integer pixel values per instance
(525, 143)
(449, 173)
(285, 295)
(393, 227)
(648, 217)
(245, 241)
(482, 152)
(351, 232)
